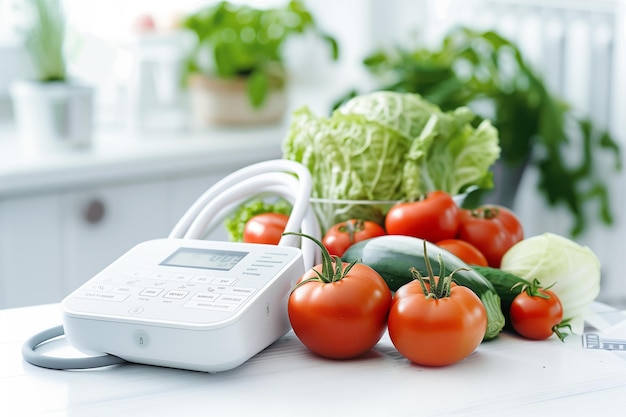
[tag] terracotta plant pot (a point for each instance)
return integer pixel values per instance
(225, 102)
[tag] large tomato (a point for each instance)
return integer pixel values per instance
(434, 218)
(536, 313)
(265, 228)
(342, 312)
(492, 229)
(436, 325)
(463, 250)
(343, 235)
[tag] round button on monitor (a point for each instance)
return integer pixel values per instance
(141, 338)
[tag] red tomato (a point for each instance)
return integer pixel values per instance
(343, 235)
(265, 228)
(434, 218)
(436, 331)
(537, 314)
(343, 318)
(463, 250)
(491, 229)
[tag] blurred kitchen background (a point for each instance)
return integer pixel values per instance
(64, 215)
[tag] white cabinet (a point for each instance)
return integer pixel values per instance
(101, 224)
(52, 243)
(30, 250)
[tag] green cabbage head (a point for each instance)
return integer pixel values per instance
(392, 146)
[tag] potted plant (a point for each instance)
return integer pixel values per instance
(51, 110)
(236, 71)
(488, 73)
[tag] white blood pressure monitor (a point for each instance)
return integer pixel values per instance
(185, 303)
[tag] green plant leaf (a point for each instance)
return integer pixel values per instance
(334, 46)
(258, 88)
(45, 39)
(242, 40)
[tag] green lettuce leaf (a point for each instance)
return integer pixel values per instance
(350, 157)
(406, 114)
(450, 155)
(235, 223)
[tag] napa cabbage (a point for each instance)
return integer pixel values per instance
(392, 146)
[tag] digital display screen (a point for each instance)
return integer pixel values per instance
(220, 260)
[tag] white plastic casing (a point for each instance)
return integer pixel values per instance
(208, 308)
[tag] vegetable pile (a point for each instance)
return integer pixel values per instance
(456, 274)
(441, 278)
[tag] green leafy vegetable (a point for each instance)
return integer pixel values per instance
(236, 222)
(447, 153)
(570, 270)
(390, 146)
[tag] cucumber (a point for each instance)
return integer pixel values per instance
(507, 285)
(392, 256)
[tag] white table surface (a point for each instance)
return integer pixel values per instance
(508, 376)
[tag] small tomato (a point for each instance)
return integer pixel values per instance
(434, 218)
(537, 313)
(343, 235)
(265, 228)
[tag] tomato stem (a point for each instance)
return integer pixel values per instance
(332, 266)
(486, 213)
(439, 288)
(557, 329)
(352, 227)
(533, 289)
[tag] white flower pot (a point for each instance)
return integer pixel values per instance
(225, 102)
(53, 115)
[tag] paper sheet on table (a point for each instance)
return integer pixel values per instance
(606, 330)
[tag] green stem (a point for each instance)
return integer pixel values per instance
(558, 329)
(332, 266)
(352, 227)
(440, 288)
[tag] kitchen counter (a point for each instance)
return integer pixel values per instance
(121, 155)
(508, 376)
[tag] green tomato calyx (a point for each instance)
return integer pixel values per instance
(438, 287)
(332, 266)
(487, 213)
(557, 329)
(352, 227)
(533, 289)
